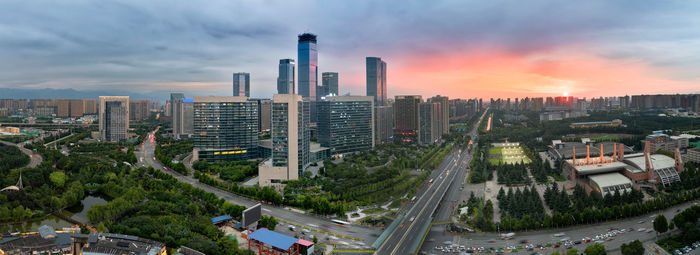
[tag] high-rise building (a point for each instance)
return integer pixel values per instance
(285, 79)
(308, 66)
(383, 124)
(346, 123)
(114, 118)
(241, 84)
(138, 110)
(376, 80)
(290, 141)
(329, 85)
(176, 112)
(407, 117)
(264, 111)
(225, 128)
(443, 125)
(430, 122)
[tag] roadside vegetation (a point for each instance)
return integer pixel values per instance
(686, 222)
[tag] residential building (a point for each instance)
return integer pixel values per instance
(225, 128)
(241, 84)
(138, 110)
(376, 80)
(443, 114)
(176, 112)
(286, 78)
(430, 122)
(346, 123)
(407, 117)
(383, 124)
(114, 118)
(666, 142)
(692, 155)
(290, 141)
(264, 111)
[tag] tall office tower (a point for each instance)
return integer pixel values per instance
(346, 123)
(114, 118)
(264, 111)
(406, 117)
(241, 84)
(225, 128)
(290, 141)
(308, 66)
(376, 80)
(176, 113)
(444, 114)
(383, 124)
(285, 79)
(430, 121)
(329, 85)
(138, 110)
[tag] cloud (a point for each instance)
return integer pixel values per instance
(189, 46)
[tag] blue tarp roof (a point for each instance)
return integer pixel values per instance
(221, 218)
(277, 240)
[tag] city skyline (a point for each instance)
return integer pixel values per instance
(602, 49)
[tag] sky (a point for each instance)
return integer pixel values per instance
(461, 49)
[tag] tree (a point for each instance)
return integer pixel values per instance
(555, 253)
(268, 222)
(572, 251)
(632, 248)
(596, 249)
(58, 179)
(661, 224)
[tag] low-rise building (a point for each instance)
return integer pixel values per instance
(591, 124)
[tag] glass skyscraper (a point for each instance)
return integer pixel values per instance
(346, 123)
(226, 128)
(308, 66)
(241, 84)
(376, 80)
(285, 80)
(329, 85)
(114, 118)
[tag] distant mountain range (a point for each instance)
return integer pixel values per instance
(77, 94)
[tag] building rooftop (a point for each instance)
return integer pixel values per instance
(659, 161)
(610, 182)
(598, 168)
(222, 218)
(277, 240)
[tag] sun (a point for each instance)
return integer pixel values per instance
(566, 94)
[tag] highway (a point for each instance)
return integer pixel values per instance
(34, 159)
(410, 230)
(367, 235)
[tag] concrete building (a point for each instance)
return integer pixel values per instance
(383, 124)
(692, 155)
(407, 117)
(443, 115)
(430, 114)
(114, 118)
(290, 141)
(286, 78)
(376, 80)
(666, 142)
(241, 84)
(610, 182)
(264, 118)
(182, 113)
(591, 124)
(138, 110)
(225, 128)
(329, 85)
(346, 123)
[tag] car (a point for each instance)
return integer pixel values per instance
(411, 219)
(640, 222)
(599, 241)
(641, 229)
(559, 234)
(492, 241)
(577, 242)
(523, 241)
(648, 231)
(696, 245)
(438, 247)
(677, 252)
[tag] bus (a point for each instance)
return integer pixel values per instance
(340, 222)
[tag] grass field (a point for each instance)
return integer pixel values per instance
(508, 155)
(607, 138)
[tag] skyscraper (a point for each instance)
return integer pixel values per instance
(138, 110)
(176, 113)
(329, 84)
(383, 124)
(114, 118)
(308, 66)
(241, 84)
(290, 141)
(346, 123)
(376, 80)
(285, 80)
(443, 125)
(407, 117)
(430, 114)
(225, 128)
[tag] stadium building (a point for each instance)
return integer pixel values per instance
(606, 174)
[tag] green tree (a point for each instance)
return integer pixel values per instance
(58, 179)
(632, 248)
(661, 224)
(268, 222)
(572, 251)
(555, 252)
(596, 249)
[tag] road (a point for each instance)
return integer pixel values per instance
(410, 230)
(34, 159)
(438, 237)
(367, 235)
